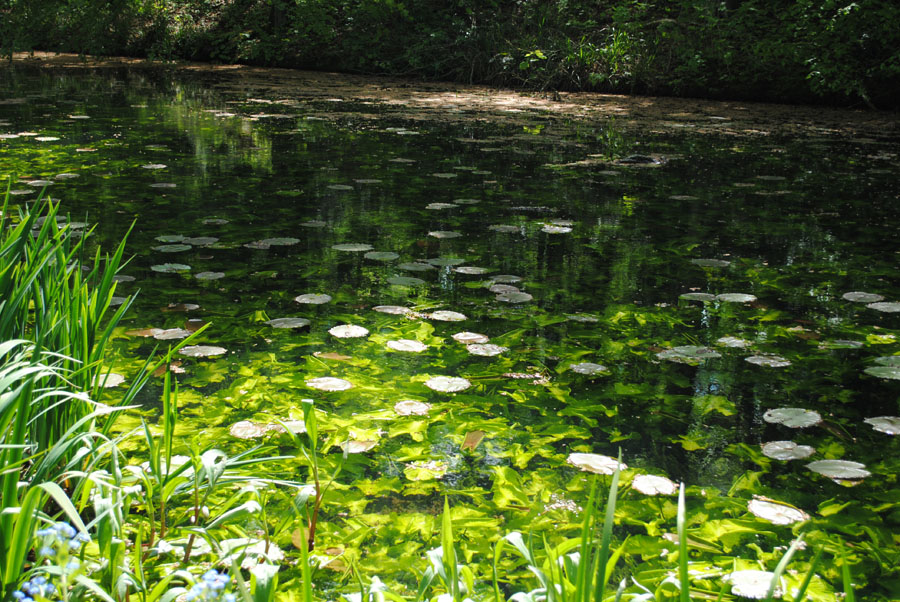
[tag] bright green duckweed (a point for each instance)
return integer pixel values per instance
(685, 314)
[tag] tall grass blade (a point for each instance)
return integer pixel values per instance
(683, 582)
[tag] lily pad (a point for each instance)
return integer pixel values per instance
(444, 234)
(891, 372)
(653, 485)
(506, 279)
(407, 345)
(752, 583)
(175, 248)
(352, 247)
(769, 361)
(313, 298)
(348, 331)
(688, 354)
(171, 334)
(588, 368)
(711, 263)
(281, 241)
(416, 266)
(446, 261)
(473, 270)
(444, 315)
(697, 297)
(516, 297)
(448, 384)
(392, 309)
(500, 289)
(861, 297)
(596, 463)
(246, 429)
(209, 275)
(202, 351)
(734, 342)
(382, 255)
(885, 306)
(889, 425)
(736, 298)
(486, 349)
(357, 447)
(288, 322)
(470, 338)
(170, 268)
(410, 407)
(329, 383)
(405, 281)
(786, 450)
(552, 229)
(795, 418)
(776, 513)
(503, 228)
(839, 469)
(109, 380)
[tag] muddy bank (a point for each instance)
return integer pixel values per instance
(454, 102)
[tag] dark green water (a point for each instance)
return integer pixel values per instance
(605, 252)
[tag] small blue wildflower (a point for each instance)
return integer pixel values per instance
(47, 551)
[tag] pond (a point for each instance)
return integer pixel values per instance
(470, 301)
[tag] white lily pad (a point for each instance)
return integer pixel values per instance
(795, 418)
(734, 342)
(588, 368)
(786, 450)
(410, 407)
(470, 338)
(516, 297)
(444, 315)
(500, 289)
(246, 429)
(209, 275)
(471, 269)
(440, 206)
(697, 297)
(711, 263)
(506, 279)
(154, 166)
(416, 266)
(736, 297)
(891, 372)
(329, 383)
(313, 298)
(769, 361)
(357, 447)
(348, 331)
(448, 384)
(888, 360)
(110, 380)
(382, 255)
(653, 485)
(776, 513)
(688, 354)
(352, 247)
(405, 281)
(398, 310)
(170, 268)
(506, 228)
(444, 234)
(446, 261)
(861, 297)
(885, 306)
(552, 229)
(839, 469)
(172, 334)
(752, 583)
(596, 463)
(407, 345)
(288, 322)
(202, 351)
(285, 241)
(486, 349)
(889, 425)
(66, 176)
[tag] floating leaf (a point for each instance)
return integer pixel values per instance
(861, 297)
(775, 512)
(551, 229)
(653, 485)
(697, 297)
(410, 407)
(886, 306)
(885, 424)
(795, 418)
(154, 166)
(280, 242)
(357, 447)
(711, 263)
(736, 298)
(588, 368)
(329, 383)
(348, 331)
(110, 380)
(752, 583)
(733, 342)
(506, 279)
(313, 298)
(170, 238)
(440, 206)
(485, 349)
(341, 187)
(444, 234)
(288, 322)
(473, 270)
(209, 275)
(447, 316)
(688, 354)
(892, 372)
(769, 361)
(352, 247)
(171, 334)
(839, 469)
(594, 463)
(405, 281)
(472, 440)
(516, 297)
(448, 384)
(500, 289)
(503, 228)
(392, 309)
(407, 345)
(382, 255)
(246, 429)
(416, 266)
(469, 338)
(446, 261)
(176, 248)
(170, 268)
(331, 355)
(787, 450)
(202, 351)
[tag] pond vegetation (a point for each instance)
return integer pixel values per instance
(607, 376)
